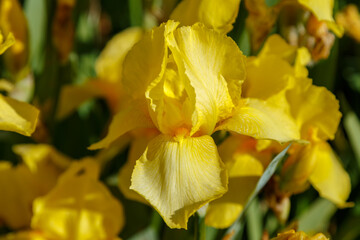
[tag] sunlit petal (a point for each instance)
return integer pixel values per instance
(179, 175)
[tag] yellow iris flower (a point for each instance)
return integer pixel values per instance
(316, 113)
(21, 184)
(315, 110)
(15, 116)
(69, 202)
(186, 84)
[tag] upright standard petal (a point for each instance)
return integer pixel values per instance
(146, 61)
(266, 77)
(276, 45)
(260, 120)
(179, 175)
(216, 14)
(213, 68)
(17, 116)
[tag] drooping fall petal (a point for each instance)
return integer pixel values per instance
(146, 61)
(17, 116)
(329, 177)
(179, 175)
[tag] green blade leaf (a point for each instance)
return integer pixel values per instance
(36, 14)
(352, 127)
(254, 221)
(317, 217)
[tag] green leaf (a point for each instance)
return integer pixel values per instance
(36, 14)
(147, 234)
(254, 221)
(352, 127)
(317, 217)
(136, 12)
(269, 171)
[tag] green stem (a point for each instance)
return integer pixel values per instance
(200, 228)
(136, 12)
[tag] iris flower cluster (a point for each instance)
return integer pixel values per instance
(172, 91)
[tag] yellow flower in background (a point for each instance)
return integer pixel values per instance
(24, 235)
(349, 18)
(109, 75)
(316, 113)
(187, 94)
(21, 184)
(16, 187)
(15, 116)
(292, 235)
(78, 207)
(316, 110)
(323, 10)
(216, 14)
(12, 20)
